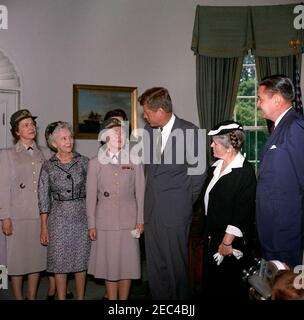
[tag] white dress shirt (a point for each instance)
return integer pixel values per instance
(281, 116)
(113, 156)
(166, 131)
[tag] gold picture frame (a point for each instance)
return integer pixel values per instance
(92, 102)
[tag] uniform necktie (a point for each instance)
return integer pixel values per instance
(114, 159)
(30, 150)
(159, 144)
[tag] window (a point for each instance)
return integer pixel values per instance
(246, 112)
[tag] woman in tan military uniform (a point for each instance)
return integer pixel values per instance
(115, 196)
(19, 211)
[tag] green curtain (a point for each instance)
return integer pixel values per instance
(273, 31)
(221, 31)
(217, 84)
(232, 31)
(267, 66)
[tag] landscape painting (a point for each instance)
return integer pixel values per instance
(92, 102)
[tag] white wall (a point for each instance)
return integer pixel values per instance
(142, 43)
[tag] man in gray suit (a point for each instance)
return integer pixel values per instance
(170, 193)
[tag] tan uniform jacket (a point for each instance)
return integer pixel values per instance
(115, 195)
(19, 181)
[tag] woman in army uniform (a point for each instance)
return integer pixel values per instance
(19, 211)
(115, 196)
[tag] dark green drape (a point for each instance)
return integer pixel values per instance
(273, 30)
(221, 31)
(267, 66)
(217, 84)
(231, 31)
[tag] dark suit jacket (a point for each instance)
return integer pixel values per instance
(170, 191)
(280, 189)
(231, 202)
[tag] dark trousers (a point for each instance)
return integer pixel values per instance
(167, 260)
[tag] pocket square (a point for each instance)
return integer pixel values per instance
(273, 147)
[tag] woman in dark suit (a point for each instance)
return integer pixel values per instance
(228, 203)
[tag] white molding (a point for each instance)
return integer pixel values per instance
(8, 80)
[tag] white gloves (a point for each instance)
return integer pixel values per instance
(219, 258)
(135, 233)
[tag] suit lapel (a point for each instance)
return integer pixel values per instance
(154, 168)
(149, 144)
(276, 132)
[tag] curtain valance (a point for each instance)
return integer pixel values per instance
(232, 31)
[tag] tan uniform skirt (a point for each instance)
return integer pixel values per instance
(115, 255)
(25, 254)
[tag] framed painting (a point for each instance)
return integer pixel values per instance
(92, 102)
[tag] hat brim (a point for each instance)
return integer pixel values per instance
(223, 129)
(22, 118)
(18, 120)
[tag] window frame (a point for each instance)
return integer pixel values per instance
(253, 128)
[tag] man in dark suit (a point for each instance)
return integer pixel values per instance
(280, 188)
(171, 189)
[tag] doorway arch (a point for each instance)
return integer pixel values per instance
(9, 78)
(9, 97)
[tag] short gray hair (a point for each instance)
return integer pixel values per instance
(50, 137)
